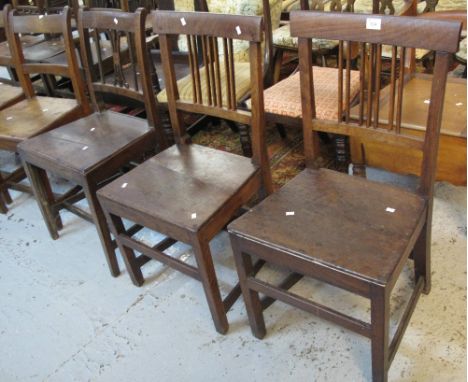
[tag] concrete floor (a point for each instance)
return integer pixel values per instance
(63, 318)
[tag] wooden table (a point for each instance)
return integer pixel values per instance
(452, 148)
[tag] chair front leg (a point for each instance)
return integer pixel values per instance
(207, 272)
(380, 311)
(252, 302)
(45, 198)
(117, 227)
(5, 197)
(100, 222)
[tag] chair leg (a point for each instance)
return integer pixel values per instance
(133, 269)
(210, 283)
(4, 193)
(4, 196)
(245, 140)
(277, 62)
(251, 298)
(422, 258)
(380, 310)
(43, 193)
(102, 227)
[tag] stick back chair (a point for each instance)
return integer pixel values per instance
(8, 94)
(93, 149)
(190, 192)
(36, 114)
(347, 231)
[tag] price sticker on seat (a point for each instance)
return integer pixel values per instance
(289, 213)
(116, 21)
(238, 30)
(373, 23)
(390, 209)
(183, 22)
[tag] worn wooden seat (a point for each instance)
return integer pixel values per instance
(35, 114)
(93, 149)
(158, 188)
(369, 242)
(9, 95)
(190, 192)
(350, 232)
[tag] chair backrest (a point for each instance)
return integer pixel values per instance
(220, 97)
(57, 24)
(127, 71)
(370, 33)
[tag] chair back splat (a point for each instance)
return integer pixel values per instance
(56, 24)
(214, 36)
(401, 35)
(126, 70)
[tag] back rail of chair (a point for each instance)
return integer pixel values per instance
(369, 35)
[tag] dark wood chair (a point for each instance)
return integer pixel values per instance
(36, 114)
(190, 192)
(91, 150)
(347, 231)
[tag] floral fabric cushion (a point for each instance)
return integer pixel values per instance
(242, 79)
(284, 98)
(387, 52)
(461, 54)
(241, 7)
(282, 38)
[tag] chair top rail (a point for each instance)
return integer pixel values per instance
(247, 28)
(409, 32)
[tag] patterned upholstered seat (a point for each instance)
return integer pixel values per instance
(284, 98)
(242, 72)
(241, 57)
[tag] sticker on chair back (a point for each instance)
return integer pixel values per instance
(373, 23)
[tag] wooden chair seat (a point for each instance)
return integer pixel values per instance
(30, 117)
(9, 95)
(284, 98)
(87, 143)
(159, 187)
(242, 79)
(39, 51)
(319, 199)
(26, 42)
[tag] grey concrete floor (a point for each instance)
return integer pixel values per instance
(63, 318)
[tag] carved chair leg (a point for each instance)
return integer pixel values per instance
(210, 283)
(421, 257)
(102, 227)
(44, 196)
(251, 298)
(133, 269)
(380, 312)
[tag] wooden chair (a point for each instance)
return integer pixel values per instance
(91, 150)
(190, 192)
(35, 114)
(347, 231)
